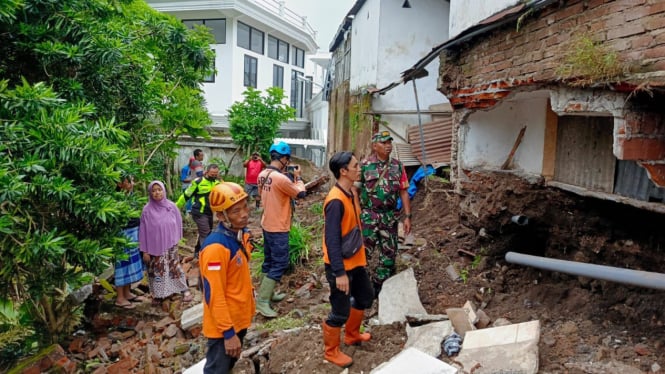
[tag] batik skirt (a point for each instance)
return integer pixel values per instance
(165, 274)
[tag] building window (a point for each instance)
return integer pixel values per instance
(278, 49)
(251, 68)
(298, 57)
(250, 38)
(211, 77)
(297, 92)
(278, 76)
(217, 27)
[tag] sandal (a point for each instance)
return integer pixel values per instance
(187, 296)
(125, 306)
(137, 299)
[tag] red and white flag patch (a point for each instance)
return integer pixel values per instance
(214, 266)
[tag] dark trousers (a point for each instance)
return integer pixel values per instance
(204, 225)
(275, 254)
(360, 296)
(217, 362)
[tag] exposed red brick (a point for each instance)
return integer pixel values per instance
(659, 7)
(625, 30)
(642, 41)
(655, 52)
(640, 148)
(656, 173)
(655, 22)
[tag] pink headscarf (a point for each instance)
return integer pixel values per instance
(161, 224)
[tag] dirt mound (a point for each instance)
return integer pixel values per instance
(614, 327)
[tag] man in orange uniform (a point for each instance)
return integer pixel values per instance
(228, 295)
(276, 190)
(351, 290)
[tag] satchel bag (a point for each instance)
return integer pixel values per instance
(353, 240)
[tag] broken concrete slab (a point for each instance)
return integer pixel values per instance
(399, 297)
(460, 320)
(196, 369)
(470, 311)
(428, 338)
(412, 360)
(192, 317)
(512, 348)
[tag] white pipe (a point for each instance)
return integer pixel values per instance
(602, 272)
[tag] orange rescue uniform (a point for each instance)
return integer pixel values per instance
(228, 295)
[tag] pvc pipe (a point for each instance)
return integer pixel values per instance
(602, 272)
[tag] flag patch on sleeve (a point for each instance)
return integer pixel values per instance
(214, 266)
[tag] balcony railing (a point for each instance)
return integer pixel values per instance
(279, 9)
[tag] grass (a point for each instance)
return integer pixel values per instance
(282, 323)
(588, 61)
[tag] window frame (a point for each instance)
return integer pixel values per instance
(250, 75)
(190, 23)
(298, 58)
(278, 68)
(253, 35)
(278, 44)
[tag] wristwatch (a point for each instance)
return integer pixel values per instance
(408, 215)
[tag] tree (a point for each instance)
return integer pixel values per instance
(254, 122)
(89, 89)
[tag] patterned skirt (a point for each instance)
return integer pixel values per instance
(130, 270)
(165, 274)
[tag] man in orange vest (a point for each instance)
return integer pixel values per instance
(351, 290)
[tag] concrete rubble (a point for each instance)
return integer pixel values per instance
(399, 297)
(412, 360)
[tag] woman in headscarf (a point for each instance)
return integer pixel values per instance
(159, 233)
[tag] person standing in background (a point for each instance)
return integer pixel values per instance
(186, 177)
(130, 270)
(382, 181)
(199, 191)
(276, 190)
(160, 230)
(254, 165)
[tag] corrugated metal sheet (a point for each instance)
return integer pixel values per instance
(632, 181)
(404, 154)
(584, 155)
(438, 137)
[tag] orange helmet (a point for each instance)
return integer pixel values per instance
(225, 195)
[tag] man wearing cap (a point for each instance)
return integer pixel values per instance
(383, 180)
(254, 165)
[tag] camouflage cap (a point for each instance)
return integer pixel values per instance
(381, 136)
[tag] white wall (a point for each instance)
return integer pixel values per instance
(488, 136)
(387, 40)
(230, 64)
(467, 13)
(408, 34)
(365, 45)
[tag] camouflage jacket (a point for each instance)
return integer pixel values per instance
(380, 187)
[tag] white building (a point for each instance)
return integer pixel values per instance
(376, 41)
(258, 43)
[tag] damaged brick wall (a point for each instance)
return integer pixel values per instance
(484, 71)
(478, 74)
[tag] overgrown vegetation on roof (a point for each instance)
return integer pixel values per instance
(587, 62)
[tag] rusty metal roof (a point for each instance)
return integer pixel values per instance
(438, 140)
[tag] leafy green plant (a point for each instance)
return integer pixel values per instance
(476, 261)
(108, 89)
(316, 208)
(300, 238)
(17, 337)
(254, 122)
(464, 275)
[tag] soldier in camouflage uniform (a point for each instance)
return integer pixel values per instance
(383, 179)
